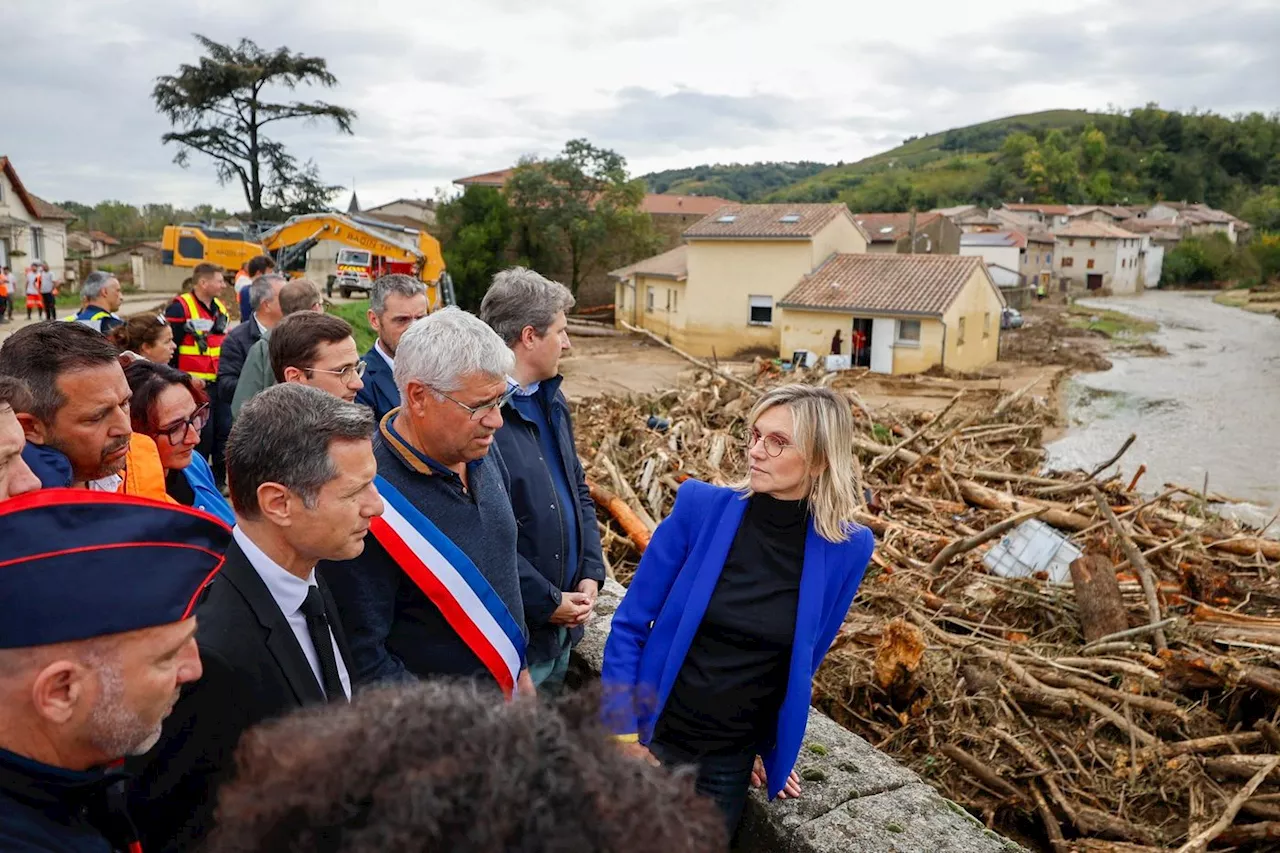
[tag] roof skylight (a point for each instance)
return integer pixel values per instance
(790, 217)
(727, 218)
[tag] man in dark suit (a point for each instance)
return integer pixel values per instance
(300, 467)
(396, 303)
(264, 297)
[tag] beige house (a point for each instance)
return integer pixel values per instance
(897, 313)
(743, 259)
(649, 294)
(934, 233)
(410, 212)
(31, 228)
(1096, 256)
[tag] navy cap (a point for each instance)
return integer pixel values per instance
(77, 564)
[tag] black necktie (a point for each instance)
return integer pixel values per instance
(318, 628)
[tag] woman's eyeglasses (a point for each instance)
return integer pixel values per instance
(177, 432)
(773, 444)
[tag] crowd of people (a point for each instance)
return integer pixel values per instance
(261, 592)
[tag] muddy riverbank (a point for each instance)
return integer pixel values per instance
(1211, 406)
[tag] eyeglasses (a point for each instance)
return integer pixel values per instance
(478, 412)
(773, 444)
(176, 433)
(346, 374)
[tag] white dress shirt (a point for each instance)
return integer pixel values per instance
(377, 345)
(289, 592)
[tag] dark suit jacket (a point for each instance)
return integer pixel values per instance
(235, 349)
(254, 670)
(379, 392)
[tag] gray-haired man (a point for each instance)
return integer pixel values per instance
(561, 568)
(437, 591)
(264, 300)
(300, 469)
(396, 303)
(102, 298)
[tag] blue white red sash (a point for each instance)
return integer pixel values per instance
(454, 585)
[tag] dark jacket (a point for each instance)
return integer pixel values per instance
(254, 670)
(396, 631)
(542, 549)
(47, 809)
(379, 392)
(235, 348)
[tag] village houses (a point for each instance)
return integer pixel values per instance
(778, 278)
(929, 234)
(1097, 256)
(31, 229)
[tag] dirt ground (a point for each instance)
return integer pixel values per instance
(619, 366)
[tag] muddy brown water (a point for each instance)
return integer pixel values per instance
(1211, 406)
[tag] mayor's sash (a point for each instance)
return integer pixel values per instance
(454, 585)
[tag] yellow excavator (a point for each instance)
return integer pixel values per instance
(369, 248)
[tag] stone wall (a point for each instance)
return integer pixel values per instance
(855, 797)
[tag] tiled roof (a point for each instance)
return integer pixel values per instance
(766, 221)
(994, 238)
(1044, 209)
(1203, 214)
(956, 210)
(1146, 226)
(659, 204)
(487, 179)
(395, 219)
(103, 237)
(49, 210)
(892, 227)
(672, 264)
(1035, 236)
(1095, 231)
(885, 284)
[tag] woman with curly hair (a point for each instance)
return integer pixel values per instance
(439, 766)
(168, 407)
(739, 595)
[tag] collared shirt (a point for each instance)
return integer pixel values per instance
(390, 360)
(289, 592)
(109, 483)
(263, 331)
(523, 390)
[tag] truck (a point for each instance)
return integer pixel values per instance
(369, 248)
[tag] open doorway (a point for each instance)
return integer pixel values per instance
(1094, 281)
(860, 342)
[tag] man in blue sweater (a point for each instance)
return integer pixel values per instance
(561, 567)
(436, 591)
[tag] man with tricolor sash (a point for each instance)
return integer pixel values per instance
(437, 591)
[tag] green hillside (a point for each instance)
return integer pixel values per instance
(736, 181)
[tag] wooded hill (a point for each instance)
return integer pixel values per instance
(1068, 156)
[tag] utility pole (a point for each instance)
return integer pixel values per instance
(911, 228)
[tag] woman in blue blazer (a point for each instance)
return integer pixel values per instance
(737, 599)
(170, 408)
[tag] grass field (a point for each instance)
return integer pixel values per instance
(356, 313)
(1113, 324)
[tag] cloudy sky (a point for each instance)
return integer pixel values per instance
(451, 89)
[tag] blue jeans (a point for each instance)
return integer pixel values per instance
(726, 779)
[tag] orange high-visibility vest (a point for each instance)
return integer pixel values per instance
(200, 348)
(143, 475)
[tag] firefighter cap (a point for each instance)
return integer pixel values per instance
(77, 564)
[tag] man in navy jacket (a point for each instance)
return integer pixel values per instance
(561, 567)
(396, 303)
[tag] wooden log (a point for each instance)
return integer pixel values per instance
(1056, 514)
(1199, 745)
(1249, 833)
(937, 419)
(630, 523)
(1216, 829)
(982, 772)
(1227, 671)
(1099, 606)
(724, 374)
(1238, 766)
(1139, 563)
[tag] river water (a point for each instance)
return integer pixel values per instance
(1211, 406)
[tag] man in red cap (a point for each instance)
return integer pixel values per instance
(96, 638)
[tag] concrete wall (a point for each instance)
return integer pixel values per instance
(911, 357)
(1152, 262)
(667, 317)
(723, 274)
(840, 235)
(813, 330)
(855, 798)
(1116, 260)
(1005, 256)
(978, 305)
(160, 278)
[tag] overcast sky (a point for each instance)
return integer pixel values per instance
(450, 89)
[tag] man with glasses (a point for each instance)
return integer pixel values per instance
(437, 590)
(317, 350)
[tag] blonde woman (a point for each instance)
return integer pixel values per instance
(736, 601)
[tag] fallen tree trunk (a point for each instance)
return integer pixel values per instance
(1055, 514)
(1098, 603)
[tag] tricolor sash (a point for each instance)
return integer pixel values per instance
(454, 585)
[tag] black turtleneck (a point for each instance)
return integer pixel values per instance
(731, 686)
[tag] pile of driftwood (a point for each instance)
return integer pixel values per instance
(1132, 709)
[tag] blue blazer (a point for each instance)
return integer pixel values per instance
(665, 604)
(379, 392)
(208, 499)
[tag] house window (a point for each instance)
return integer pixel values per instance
(1071, 242)
(760, 310)
(648, 299)
(37, 243)
(1048, 259)
(960, 339)
(1090, 263)
(986, 325)
(909, 332)
(1093, 243)
(672, 301)
(1067, 262)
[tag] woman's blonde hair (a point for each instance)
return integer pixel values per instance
(823, 436)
